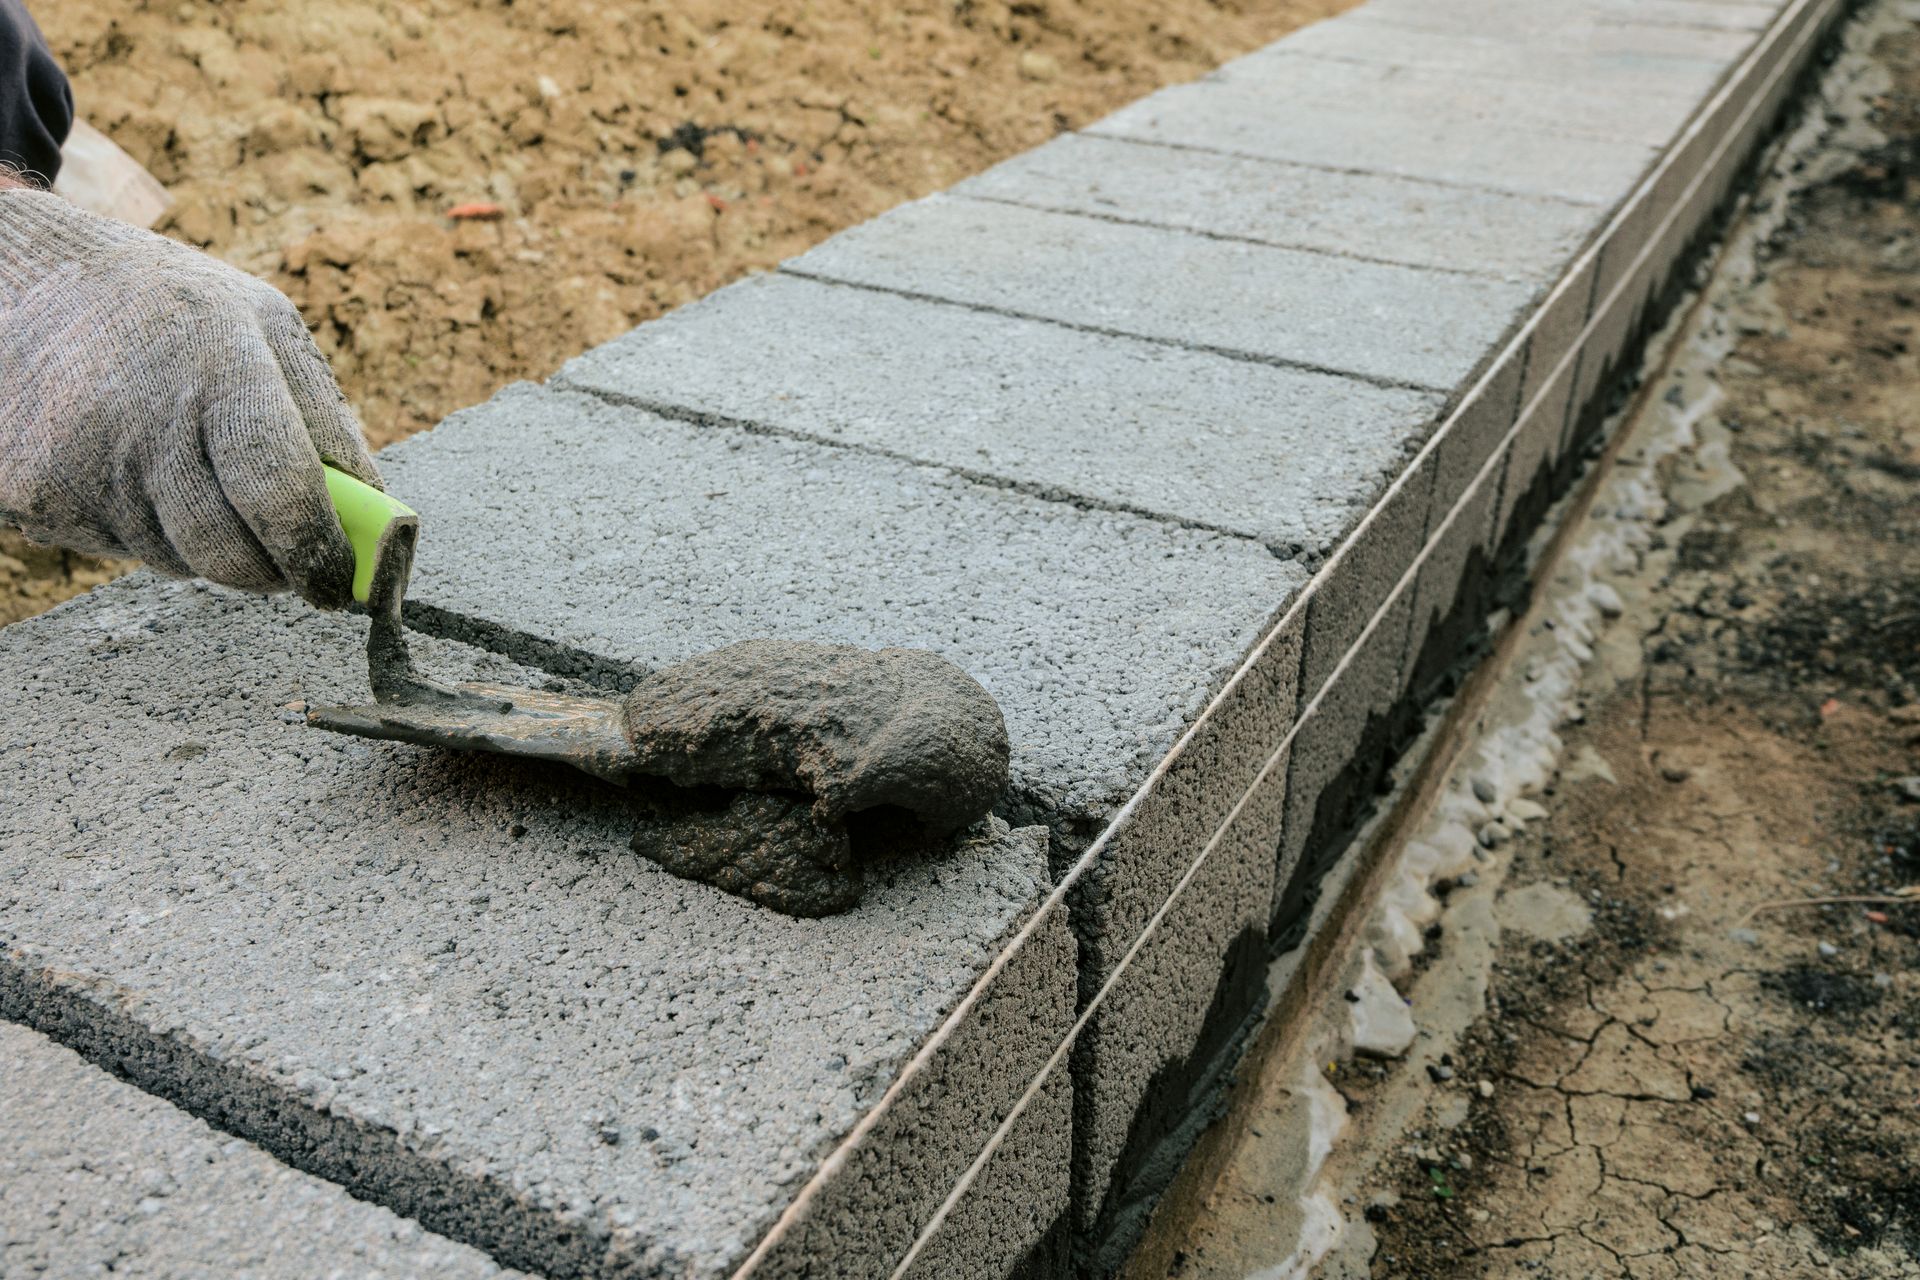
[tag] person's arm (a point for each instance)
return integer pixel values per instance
(156, 402)
(36, 103)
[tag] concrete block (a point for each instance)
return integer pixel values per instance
(1249, 300)
(1454, 590)
(444, 982)
(1282, 455)
(1183, 807)
(859, 1224)
(1652, 25)
(1474, 434)
(1535, 449)
(1552, 352)
(1153, 1058)
(1341, 745)
(1352, 589)
(999, 1215)
(98, 1178)
(1445, 135)
(646, 540)
(1364, 215)
(1601, 59)
(1573, 107)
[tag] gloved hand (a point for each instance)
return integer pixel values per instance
(155, 402)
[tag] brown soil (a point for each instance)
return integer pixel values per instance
(1684, 1091)
(643, 153)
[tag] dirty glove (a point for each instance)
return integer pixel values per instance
(155, 402)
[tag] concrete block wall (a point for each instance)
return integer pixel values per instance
(1202, 437)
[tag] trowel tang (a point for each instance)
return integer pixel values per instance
(586, 733)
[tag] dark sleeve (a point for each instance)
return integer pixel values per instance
(36, 105)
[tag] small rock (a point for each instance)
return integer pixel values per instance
(1827, 950)
(1484, 790)
(1674, 773)
(1909, 788)
(1486, 1088)
(1751, 1119)
(1463, 1162)
(1035, 65)
(1467, 880)
(1884, 981)
(1606, 600)
(1748, 936)
(1526, 810)
(1493, 835)
(1439, 1073)
(679, 161)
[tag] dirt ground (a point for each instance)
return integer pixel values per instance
(1704, 1083)
(642, 153)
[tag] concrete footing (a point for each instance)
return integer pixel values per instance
(1204, 438)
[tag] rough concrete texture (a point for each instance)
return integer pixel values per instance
(1361, 215)
(1443, 135)
(102, 1179)
(1098, 633)
(1283, 455)
(1629, 61)
(864, 1224)
(1700, 27)
(823, 756)
(441, 979)
(1252, 300)
(1168, 1030)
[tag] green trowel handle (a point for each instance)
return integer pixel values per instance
(366, 514)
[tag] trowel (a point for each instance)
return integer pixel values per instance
(770, 768)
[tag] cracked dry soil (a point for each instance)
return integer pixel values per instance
(643, 154)
(1684, 1091)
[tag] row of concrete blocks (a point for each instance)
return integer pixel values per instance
(1009, 424)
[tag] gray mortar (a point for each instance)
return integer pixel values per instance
(810, 739)
(1098, 633)
(1249, 300)
(98, 1178)
(1359, 215)
(441, 979)
(1282, 455)
(856, 729)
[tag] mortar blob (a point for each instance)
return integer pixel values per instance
(812, 758)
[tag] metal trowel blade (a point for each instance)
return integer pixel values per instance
(586, 733)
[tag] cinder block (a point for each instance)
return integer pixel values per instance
(1535, 449)
(1286, 456)
(1151, 1063)
(98, 1178)
(858, 1225)
(1553, 348)
(1600, 58)
(1445, 135)
(1454, 589)
(1184, 807)
(1340, 749)
(1350, 590)
(1251, 300)
(648, 541)
(991, 1233)
(443, 980)
(1366, 215)
(1705, 30)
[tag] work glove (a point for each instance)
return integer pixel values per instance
(155, 402)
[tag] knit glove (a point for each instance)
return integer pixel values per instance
(155, 402)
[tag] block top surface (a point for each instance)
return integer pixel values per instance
(455, 954)
(1282, 455)
(98, 1178)
(646, 541)
(1380, 321)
